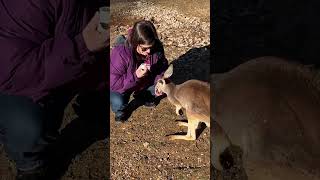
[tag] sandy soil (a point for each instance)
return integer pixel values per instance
(139, 148)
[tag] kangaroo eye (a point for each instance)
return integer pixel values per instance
(161, 81)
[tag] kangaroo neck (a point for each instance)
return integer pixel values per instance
(170, 91)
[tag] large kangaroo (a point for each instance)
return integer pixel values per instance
(270, 109)
(193, 95)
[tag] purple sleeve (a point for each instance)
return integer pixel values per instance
(121, 79)
(64, 59)
(53, 63)
(37, 56)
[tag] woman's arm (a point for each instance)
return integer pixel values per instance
(120, 79)
(34, 58)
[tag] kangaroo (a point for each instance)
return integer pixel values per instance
(193, 96)
(265, 120)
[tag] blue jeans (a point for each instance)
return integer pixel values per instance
(29, 131)
(22, 130)
(119, 102)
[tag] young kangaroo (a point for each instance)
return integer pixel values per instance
(193, 96)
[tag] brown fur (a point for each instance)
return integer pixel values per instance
(194, 97)
(270, 108)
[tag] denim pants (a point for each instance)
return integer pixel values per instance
(27, 129)
(119, 102)
(21, 130)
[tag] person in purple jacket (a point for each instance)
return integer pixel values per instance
(51, 51)
(136, 64)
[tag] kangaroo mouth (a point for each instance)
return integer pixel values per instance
(159, 92)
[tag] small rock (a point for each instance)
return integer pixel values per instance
(146, 144)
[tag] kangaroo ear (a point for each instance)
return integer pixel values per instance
(168, 72)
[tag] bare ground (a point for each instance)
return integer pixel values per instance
(139, 148)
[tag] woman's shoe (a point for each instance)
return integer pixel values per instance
(34, 174)
(121, 119)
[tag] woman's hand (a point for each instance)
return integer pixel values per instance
(141, 71)
(95, 40)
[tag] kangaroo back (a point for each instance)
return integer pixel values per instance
(194, 95)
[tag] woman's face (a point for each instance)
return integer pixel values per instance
(144, 50)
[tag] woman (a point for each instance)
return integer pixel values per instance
(136, 65)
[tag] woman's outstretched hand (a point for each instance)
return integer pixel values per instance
(95, 40)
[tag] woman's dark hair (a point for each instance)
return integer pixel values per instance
(143, 32)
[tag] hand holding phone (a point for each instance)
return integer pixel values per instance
(142, 70)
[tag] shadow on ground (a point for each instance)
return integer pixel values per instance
(88, 127)
(194, 64)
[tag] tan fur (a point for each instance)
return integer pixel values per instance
(269, 108)
(194, 97)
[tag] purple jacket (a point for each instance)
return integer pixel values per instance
(42, 47)
(123, 67)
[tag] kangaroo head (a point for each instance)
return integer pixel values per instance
(163, 82)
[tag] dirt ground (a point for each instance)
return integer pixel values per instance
(139, 148)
